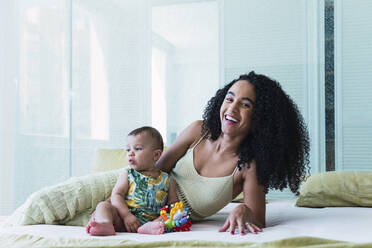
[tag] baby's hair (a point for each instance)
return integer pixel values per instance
(153, 133)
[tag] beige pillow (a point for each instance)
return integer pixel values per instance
(337, 189)
(109, 159)
(239, 198)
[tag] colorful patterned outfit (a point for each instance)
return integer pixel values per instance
(146, 195)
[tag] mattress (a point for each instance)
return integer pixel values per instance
(283, 221)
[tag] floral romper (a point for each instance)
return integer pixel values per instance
(146, 195)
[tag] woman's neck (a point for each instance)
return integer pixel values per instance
(227, 144)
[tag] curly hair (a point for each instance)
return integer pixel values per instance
(278, 139)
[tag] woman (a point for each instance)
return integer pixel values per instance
(252, 138)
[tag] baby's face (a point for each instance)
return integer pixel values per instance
(141, 153)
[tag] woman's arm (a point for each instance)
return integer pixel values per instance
(185, 140)
(254, 196)
(250, 214)
(172, 195)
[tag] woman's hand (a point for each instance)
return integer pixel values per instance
(241, 217)
(131, 223)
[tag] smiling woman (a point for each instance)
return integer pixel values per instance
(251, 125)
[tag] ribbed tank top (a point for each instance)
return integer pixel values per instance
(203, 196)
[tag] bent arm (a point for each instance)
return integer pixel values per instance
(185, 140)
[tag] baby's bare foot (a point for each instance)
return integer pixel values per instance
(156, 227)
(101, 229)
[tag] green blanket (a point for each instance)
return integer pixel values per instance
(68, 203)
(24, 240)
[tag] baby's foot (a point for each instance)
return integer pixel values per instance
(101, 229)
(155, 227)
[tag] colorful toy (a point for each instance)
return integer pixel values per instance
(177, 220)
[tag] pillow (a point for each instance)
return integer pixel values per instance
(239, 198)
(109, 159)
(70, 202)
(337, 189)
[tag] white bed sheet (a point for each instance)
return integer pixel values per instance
(283, 220)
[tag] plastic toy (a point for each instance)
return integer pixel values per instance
(178, 218)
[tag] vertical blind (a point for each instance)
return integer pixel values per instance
(353, 64)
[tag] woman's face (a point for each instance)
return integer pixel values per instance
(237, 109)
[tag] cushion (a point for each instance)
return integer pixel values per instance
(337, 189)
(70, 202)
(109, 159)
(239, 198)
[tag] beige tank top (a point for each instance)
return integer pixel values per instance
(203, 196)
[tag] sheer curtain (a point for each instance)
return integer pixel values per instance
(186, 34)
(84, 81)
(111, 75)
(7, 106)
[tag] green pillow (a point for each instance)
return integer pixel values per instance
(337, 189)
(70, 202)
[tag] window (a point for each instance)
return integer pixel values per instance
(44, 87)
(186, 66)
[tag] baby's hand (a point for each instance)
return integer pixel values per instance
(131, 223)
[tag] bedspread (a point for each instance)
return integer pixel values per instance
(287, 226)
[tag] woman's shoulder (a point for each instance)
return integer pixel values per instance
(178, 149)
(187, 138)
(197, 125)
(194, 132)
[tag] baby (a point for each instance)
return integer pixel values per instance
(140, 192)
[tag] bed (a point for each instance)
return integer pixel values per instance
(332, 210)
(287, 226)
